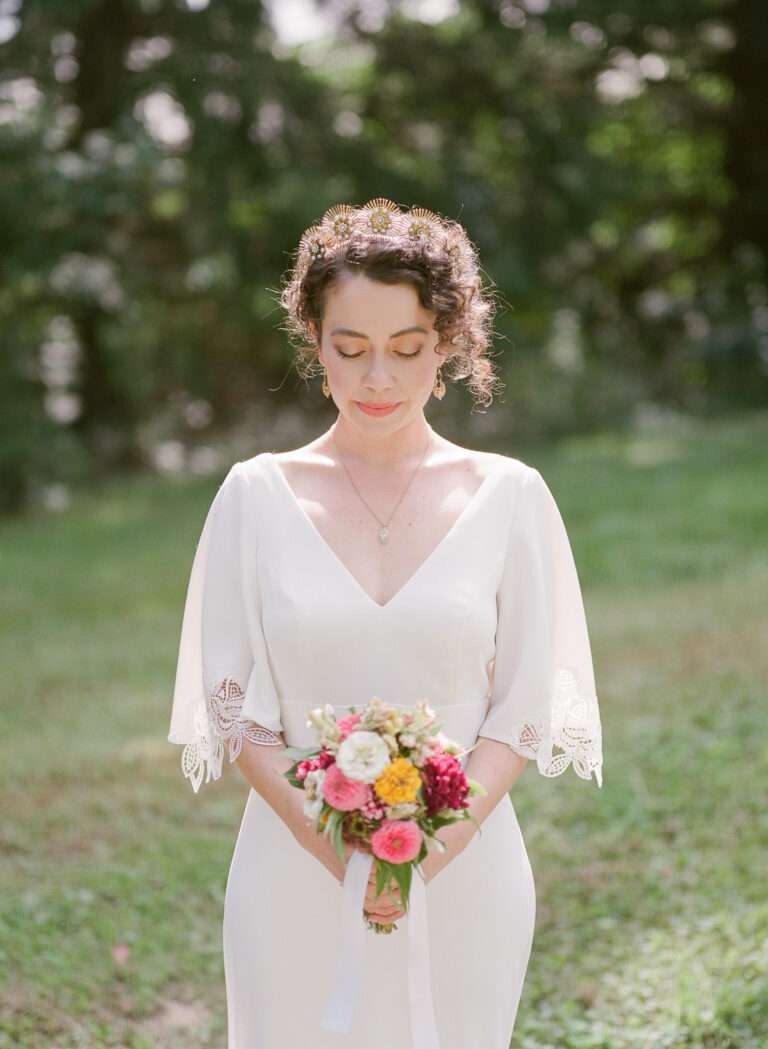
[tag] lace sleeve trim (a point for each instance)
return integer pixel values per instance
(573, 728)
(217, 720)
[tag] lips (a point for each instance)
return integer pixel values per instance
(377, 409)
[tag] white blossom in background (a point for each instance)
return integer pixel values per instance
(88, 276)
(145, 51)
(9, 23)
(222, 105)
(58, 364)
(269, 122)
(432, 12)
(565, 346)
(164, 118)
(20, 101)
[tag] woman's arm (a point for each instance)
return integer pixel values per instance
(497, 767)
(263, 768)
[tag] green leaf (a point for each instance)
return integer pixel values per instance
(329, 823)
(383, 873)
(477, 825)
(338, 841)
(404, 874)
(300, 753)
(476, 788)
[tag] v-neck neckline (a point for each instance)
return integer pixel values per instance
(466, 511)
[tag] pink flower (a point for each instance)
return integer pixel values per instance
(397, 841)
(348, 724)
(342, 793)
(373, 809)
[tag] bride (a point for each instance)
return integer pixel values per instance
(383, 559)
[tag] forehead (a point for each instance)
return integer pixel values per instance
(370, 307)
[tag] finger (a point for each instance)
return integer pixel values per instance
(372, 880)
(379, 909)
(377, 905)
(386, 890)
(382, 919)
(385, 900)
(385, 919)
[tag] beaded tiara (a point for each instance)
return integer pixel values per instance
(379, 217)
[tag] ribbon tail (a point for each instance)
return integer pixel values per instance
(423, 1026)
(340, 1008)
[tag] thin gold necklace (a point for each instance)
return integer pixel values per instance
(384, 530)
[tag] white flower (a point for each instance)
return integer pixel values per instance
(324, 721)
(450, 746)
(313, 783)
(363, 756)
(313, 793)
(313, 807)
(401, 811)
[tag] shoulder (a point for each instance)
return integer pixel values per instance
(249, 473)
(516, 473)
(257, 474)
(483, 463)
(246, 482)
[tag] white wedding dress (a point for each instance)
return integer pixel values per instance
(490, 629)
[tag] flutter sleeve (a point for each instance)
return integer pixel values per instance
(543, 701)
(224, 691)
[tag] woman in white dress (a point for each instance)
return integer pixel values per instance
(382, 559)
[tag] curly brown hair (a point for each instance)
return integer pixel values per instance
(444, 270)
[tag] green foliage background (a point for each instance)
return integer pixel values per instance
(160, 160)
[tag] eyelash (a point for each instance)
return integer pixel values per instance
(354, 356)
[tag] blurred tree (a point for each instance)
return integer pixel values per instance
(745, 68)
(162, 158)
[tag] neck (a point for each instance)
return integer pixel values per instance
(394, 449)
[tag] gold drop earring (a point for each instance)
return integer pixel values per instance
(439, 387)
(325, 387)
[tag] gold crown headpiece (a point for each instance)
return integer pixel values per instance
(381, 217)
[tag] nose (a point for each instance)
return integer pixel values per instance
(378, 378)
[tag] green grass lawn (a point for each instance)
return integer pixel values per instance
(652, 911)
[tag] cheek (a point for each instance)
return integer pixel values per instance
(424, 371)
(345, 374)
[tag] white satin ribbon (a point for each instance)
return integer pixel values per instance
(341, 1005)
(423, 1026)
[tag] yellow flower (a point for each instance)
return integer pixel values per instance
(398, 783)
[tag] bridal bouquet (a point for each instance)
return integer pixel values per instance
(385, 779)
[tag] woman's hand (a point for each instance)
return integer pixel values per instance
(456, 837)
(322, 848)
(385, 908)
(388, 907)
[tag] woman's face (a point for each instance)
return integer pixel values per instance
(378, 347)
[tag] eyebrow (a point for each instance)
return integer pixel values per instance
(361, 335)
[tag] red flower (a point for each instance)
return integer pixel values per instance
(445, 785)
(322, 761)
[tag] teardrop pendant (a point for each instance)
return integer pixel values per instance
(383, 535)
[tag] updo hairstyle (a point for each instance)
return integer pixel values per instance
(379, 241)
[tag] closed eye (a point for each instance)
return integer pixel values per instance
(354, 356)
